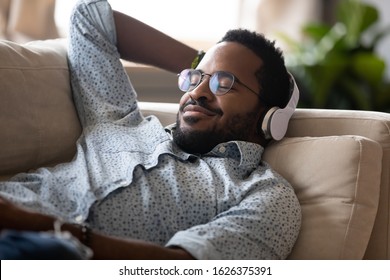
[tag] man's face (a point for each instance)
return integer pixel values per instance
(204, 120)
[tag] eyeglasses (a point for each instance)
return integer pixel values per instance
(220, 82)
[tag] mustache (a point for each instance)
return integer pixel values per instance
(201, 103)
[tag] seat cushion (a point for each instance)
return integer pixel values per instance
(337, 181)
(38, 124)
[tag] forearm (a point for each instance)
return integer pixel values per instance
(17, 218)
(105, 247)
(141, 43)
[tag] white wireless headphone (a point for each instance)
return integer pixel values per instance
(276, 120)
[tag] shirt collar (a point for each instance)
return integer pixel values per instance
(247, 153)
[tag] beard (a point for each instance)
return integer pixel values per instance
(239, 128)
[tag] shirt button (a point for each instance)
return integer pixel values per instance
(79, 219)
(222, 149)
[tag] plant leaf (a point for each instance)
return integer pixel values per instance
(315, 31)
(357, 18)
(368, 67)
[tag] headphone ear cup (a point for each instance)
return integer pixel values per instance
(275, 123)
(276, 120)
(266, 124)
(278, 124)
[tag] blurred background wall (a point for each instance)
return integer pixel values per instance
(23, 20)
(203, 22)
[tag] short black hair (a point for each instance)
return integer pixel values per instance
(272, 76)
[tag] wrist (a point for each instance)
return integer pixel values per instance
(81, 231)
(86, 234)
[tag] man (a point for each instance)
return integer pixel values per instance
(196, 190)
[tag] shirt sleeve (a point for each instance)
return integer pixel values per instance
(264, 225)
(101, 88)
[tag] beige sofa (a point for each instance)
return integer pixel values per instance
(337, 161)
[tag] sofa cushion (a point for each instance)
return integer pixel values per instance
(39, 125)
(370, 124)
(336, 179)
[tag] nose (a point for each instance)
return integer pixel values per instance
(202, 91)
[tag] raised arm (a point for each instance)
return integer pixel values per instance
(141, 43)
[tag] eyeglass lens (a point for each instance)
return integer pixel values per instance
(219, 83)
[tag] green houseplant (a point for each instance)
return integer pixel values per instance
(336, 66)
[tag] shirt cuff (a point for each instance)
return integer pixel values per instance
(195, 245)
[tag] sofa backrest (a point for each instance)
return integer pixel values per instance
(38, 122)
(371, 125)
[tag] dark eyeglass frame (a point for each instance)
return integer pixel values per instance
(184, 74)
